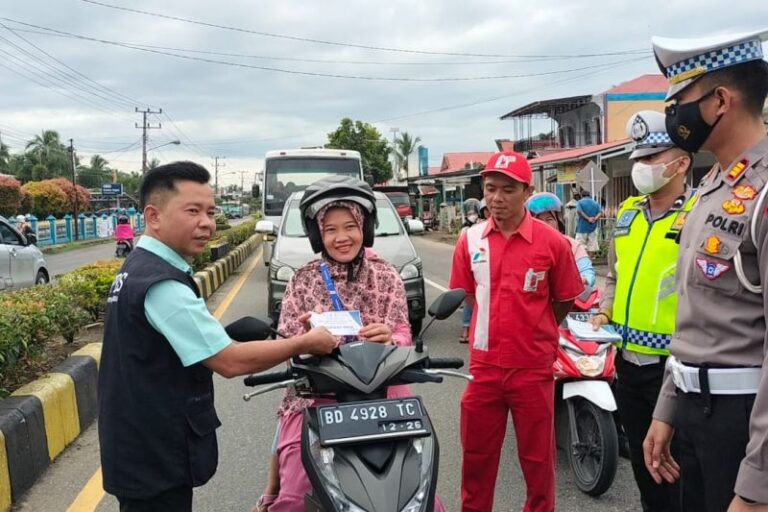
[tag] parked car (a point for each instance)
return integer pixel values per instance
(402, 202)
(21, 263)
(292, 250)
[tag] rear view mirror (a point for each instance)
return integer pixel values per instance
(447, 303)
(250, 328)
(266, 227)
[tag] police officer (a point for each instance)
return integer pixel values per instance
(157, 422)
(639, 296)
(714, 397)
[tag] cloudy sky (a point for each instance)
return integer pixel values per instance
(236, 78)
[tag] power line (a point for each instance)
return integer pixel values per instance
(518, 60)
(337, 43)
(73, 96)
(62, 80)
(117, 96)
(317, 74)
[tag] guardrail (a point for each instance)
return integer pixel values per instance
(52, 231)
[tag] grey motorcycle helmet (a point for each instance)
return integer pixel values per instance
(329, 190)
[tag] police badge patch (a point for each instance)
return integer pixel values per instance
(711, 269)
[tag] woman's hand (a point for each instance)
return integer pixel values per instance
(304, 319)
(376, 333)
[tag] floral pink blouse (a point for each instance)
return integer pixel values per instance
(377, 292)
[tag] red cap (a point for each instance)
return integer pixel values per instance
(512, 164)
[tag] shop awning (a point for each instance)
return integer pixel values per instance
(605, 151)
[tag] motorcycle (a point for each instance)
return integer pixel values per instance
(123, 249)
(365, 452)
(584, 371)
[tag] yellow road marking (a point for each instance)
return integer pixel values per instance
(93, 492)
(239, 284)
(91, 495)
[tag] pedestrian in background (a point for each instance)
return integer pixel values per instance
(523, 280)
(589, 212)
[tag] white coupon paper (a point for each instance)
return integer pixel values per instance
(340, 323)
(584, 331)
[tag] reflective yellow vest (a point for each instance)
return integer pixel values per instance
(646, 259)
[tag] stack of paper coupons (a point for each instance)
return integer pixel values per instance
(585, 331)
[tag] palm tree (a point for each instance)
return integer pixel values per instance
(405, 146)
(95, 174)
(49, 154)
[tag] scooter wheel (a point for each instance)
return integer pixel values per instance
(594, 456)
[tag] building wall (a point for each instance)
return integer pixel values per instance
(575, 120)
(620, 107)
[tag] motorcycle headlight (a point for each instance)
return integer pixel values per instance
(424, 447)
(323, 459)
(590, 366)
(409, 271)
(284, 273)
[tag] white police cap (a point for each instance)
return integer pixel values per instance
(683, 61)
(648, 129)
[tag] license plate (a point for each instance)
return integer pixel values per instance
(371, 421)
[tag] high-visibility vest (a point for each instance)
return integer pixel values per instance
(645, 302)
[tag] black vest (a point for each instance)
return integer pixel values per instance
(157, 423)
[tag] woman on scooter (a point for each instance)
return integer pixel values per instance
(339, 217)
(124, 232)
(548, 208)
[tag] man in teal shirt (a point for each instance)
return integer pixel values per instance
(157, 422)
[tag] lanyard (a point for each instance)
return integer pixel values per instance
(325, 271)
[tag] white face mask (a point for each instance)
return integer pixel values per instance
(649, 178)
(472, 217)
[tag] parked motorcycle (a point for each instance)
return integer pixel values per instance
(365, 452)
(584, 371)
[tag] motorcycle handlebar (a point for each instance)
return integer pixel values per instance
(268, 378)
(445, 362)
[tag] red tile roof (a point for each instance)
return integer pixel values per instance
(576, 153)
(454, 162)
(641, 84)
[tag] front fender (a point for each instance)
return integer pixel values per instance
(596, 391)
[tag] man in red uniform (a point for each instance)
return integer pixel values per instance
(522, 278)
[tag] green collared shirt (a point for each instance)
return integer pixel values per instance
(174, 310)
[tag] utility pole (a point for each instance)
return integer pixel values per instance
(395, 165)
(216, 166)
(144, 127)
(74, 185)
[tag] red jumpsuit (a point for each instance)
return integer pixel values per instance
(513, 340)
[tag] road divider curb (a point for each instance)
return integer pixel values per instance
(214, 275)
(39, 420)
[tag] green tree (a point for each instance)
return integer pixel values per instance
(49, 157)
(546, 136)
(405, 145)
(153, 163)
(43, 199)
(93, 175)
(366, 139)
(131, 182)
(5, 157)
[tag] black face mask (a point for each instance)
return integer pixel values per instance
(685, 126)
